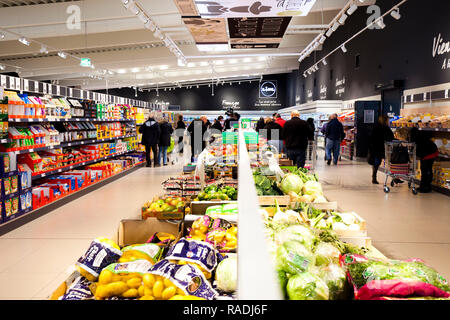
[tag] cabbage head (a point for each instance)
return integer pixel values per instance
(312, 188)
(298, 233)
(335, 278)
(307, 286)
(291, 182)
(226, 275)
(326, 253)
(293, 257)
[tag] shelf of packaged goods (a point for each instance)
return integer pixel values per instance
(76, 165)
(31, 214)
(445, 156)
(427, 129)
(5, 140)
(67, 120)
(70, 144)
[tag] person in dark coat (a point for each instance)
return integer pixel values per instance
(310, 122)
(426, 152)
(217, 125)
(273, 132)
(164, 140)
(197, 130)
(150, 138)
(381, 133)
(335, 134)
(260, 124)
(180, 125)
(295, 134)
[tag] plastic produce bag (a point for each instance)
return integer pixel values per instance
(148, 251)
(373, 278)
(298, 233)
(326, 254)
(335, 278)
(79, 290)
(307, 286)
(101, 253)
(226, 275)
(187, 279)
(293, 257)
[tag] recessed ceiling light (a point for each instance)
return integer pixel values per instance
(134, 70)
(163, 67)
(121, 71)
(213, 47)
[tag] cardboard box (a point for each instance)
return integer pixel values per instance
(129, 232)
(199, 207)
(139, 231)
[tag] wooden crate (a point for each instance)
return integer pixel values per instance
(270, 200)
(320, 206)
(365, 242)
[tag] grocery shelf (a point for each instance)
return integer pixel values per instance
(76, 165)
(67, 120)
(30, 214)
(70, 144)
(426, 129)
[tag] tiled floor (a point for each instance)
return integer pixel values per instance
(38, 256)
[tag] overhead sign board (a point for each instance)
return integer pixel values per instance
(252, 8)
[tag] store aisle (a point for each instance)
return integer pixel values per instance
(38, 256)
(401, 225)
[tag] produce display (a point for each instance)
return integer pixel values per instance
(213, 192)
(164, 204)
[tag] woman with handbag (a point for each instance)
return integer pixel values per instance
(381, 133)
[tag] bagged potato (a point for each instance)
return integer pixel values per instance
(148, 251)
(169, 281)
(79, 290)
(200, 253)
(101, 253)
(124, 280)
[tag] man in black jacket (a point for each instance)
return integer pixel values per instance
(335, 134)
(217, 124)
(150, 137)
(295, 134)
(197, 130)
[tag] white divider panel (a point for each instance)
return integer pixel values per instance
(256, 273)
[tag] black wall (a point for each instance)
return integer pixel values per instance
(401, 51)
(246, 93)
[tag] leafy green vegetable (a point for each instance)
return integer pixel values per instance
(326, 254)
(291, 182)
(293, 257)
(307, 286)
(265, 186)
(344, 248)
(335, 278)
(296, 232)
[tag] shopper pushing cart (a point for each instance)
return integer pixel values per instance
(400, 163)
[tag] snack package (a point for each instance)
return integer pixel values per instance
(200, 253)
(123, 280)
(79, 290)
(148, 251)
(14, 184)
(179, 282)
(14, 205)
(101, 253)
(372, 278)
(7, 204)
(7, 185)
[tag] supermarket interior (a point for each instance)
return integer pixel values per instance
(186, 150)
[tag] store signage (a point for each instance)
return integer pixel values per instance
(85, 62)
(441, 47)
(252, 8)
(268, 89)
(267, 103)
(323, 92)
(230, 104)
(340, 86)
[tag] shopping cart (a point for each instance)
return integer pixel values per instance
(400, 163)
(311, 153)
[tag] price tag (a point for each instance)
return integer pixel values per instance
(436, 129)
(43, 175)
(82, 142)
(83, 163)
(71, 167)
(59, 170)
(69, 144)
(40, 120)
(31, 150)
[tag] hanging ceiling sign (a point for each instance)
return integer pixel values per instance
(257, 33)
(251, 8)
(207, 30)
(186, 7)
